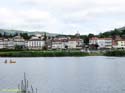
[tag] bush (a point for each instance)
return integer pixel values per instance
(115, 53)
(41, 54)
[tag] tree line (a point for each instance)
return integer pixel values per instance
(9, 35)
(111, 34)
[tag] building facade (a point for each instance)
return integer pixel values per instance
(67, 44)
(118, 42)
(75, 43)
(1, 43)
(101, 42)
(35, 43)
(59, 44)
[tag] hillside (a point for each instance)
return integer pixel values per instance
(117, 31)
(2, 31)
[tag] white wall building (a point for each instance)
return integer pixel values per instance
(1, 43)
(119, 44)
(18, 40)
(5, 43)
(59, 44)
(35, 43)
(101, 42)
(11, 43)
(67, 43)
(75, 43)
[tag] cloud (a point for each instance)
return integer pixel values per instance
(24, 19)
(67, 16)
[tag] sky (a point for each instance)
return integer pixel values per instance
(62, 16)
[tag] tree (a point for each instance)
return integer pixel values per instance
(46, 45)
(96, 46)
(86, 40)
(18, 47)
(0, 35)
(25, 36)
(16, 34)
(91, 35)
(45, 37)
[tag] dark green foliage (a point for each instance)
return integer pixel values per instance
(115, 53)
(42, 54)
(45, 37)
(17, 47)
(25, 36)
(91, 35)
(0, 35)
(115, 32)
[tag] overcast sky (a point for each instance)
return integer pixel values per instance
(62, 16)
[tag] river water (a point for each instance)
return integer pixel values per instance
(66, 74)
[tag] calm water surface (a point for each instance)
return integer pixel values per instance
(66, 74)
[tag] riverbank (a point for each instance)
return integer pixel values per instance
(60, 53)
(117, 53)
(42, 54)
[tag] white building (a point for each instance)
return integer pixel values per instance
(11, 43)
(5, 43)
(1, 43)
(119, 44)
(35, 43)
(101, 42)
(75, 43)
(59, 44)
(18, 40)
(67, 43)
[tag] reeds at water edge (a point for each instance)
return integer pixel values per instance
(24, 86)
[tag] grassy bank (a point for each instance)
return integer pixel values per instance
(41, 54)
(118, 53)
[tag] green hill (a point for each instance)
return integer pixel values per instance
(12, 32)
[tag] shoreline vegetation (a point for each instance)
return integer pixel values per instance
(25, 87)
(115, 53)
(42, 54)
(61, 53)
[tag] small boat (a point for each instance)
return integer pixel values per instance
(5, 61)
(12, 62)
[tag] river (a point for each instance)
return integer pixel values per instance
(93, 74)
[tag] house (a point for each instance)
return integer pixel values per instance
(18, 40)
(121, 43)
(36, 43)
(66, 42)
(75, 43)
(101, 42)
(1, 43)
(5, 43)
(11, 44)
(118, 42)
(59, 43)
(108, 43)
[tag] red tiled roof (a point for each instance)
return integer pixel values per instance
(62, 40)
(96, 38)
(75, 39)
(66, 40)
